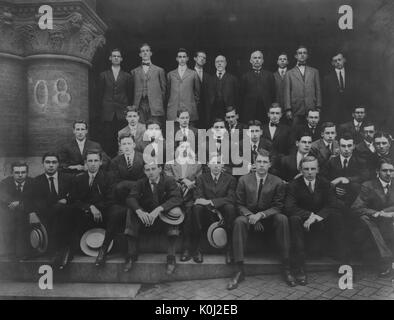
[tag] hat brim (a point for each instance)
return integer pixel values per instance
(43, 246)
(210, 235)
(176, 222)
(88, 250)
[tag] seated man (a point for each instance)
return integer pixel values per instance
(125, 168)
(375, 207)
(312, 208)
(214, 190)
(232, 123)
(15, 192)
(260, 198)
(382, 144)
(365, 150)
(134, 128)
(185, 170)
(51, 206)
(288, 167)
(184, 131)
(153, 198)
(311, 125)
(73, 153)
(153, 145)
(255, 132)
(93, 203)
(355, 126)
(326, 147)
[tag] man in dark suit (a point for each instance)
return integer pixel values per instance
(225, 89)
(73, 153)
(15, 193)
(327, 146)
(184, 131)
(302, 88)
(382, 144)
(150, 87)
(312, 207)
(154, 195)
(255, 132)
(232, 122)
(257, 90)
(278, 135)
(126, 168)
(355, 127)
(134, 127)
(375, 207)
(279, 76)
(311, 125)
(115, 92)
(214, 190)
(93, 203)
(260, 198)
(338, 90)
(50, 205)
(288, 167)
(365, 150)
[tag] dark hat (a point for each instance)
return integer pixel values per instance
(92, 240)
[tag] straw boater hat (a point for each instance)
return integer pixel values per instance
(38, 237)
(216, 234)
(173, 217)
(92, 240)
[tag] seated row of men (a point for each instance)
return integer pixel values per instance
(134, 194)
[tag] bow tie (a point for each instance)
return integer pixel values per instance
(301, 64)
(273, 124)
(146, 63)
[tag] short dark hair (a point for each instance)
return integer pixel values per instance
(178, 113)
(199, 51)
(144, 45)
(308, 159)
(80, 122)
(93, 151)
(384, 161)
(368, 123)
(255, 123)
(131, 109)
(230, 109)
(346, 136)
(264, 153)
(218, 120)
(359, 106)
(50, 154)
(19, 164)
(124, 136)
(117, 50)
(312, 110)
(182, 50)
(327, 125)
(337, 53)
(275, 105)
(303, 134)
(283, 54)
(301, 46)
(381, 134)
(152, 121)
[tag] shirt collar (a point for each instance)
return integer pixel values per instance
(22, 183)
(55, 176)
(356, 123)
(182, 68)
(343, 158)
(326, 143)
(307, 182)
(282, 69)
(81, 142)
(222, 72)
(157, 180)
(264, 178)
(213, 176)
(92, 174)
(384, 183)
(340, 70)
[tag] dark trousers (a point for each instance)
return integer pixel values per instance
(146, 114)
(201, 215)
(277, 222)
(109, 136)
(187, 229)
(330, 229)
(18, 222)
(378, 231)
(115, 222)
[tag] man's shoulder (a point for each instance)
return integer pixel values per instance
(7, 181)
(274, 179)
(93, 144)
(318, 144)
(370, 184)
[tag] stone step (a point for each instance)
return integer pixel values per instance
(150, 268)
(31, 290)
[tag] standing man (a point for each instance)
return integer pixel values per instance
(338, 90)
(260, 198)
(375, 207)
(312, 209)
(302, 88)
(257, 90)
(279, 76)
(115, 92)
(150, 85)
(15, 193)
(355, 127)
(183, 88)
(225, 89)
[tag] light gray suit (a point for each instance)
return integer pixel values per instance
(183, 93)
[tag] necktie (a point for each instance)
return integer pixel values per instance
(254, 154)
(358, 125)
(52, 184)
(259, 190)
(128, 162)
(91, 179)
(282, 73)
(155, 194)
(310, 188)
(345, 161)
(215, 180)
(19, 187)
(256, 71)
(146, 63)
(329, 148)
(219, 75)
(341, 82)
(386, 189)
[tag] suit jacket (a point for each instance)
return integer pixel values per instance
(157, 86)
(320, 151)
(300, 202)
(70, 155)
(191, 132)
(145, 146)
(114, 95)
(207, 97)
(141, 128)
(229, 92)
(375, 160)
(337, 100)
(220, 194)
(119, 171)
(174, 169)
(349, 127)
(280, 89)
(183, 93)
(41, 196)
(141, 195)
(305, 128)
(367, 157)
(286, 167)
(9, 193)
(271, 198)
(257, 92)
(99, 194)
(372, 199)
(355, 170)
(302, 95)
(282, 141)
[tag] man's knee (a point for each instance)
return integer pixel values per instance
(280, 219)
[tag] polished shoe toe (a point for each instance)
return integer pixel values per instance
(301, 278)
(100, 260)
(185, 256)
(129, 264)
(170, 265)
(289, 279)
(386, 273)
(234, 282)
(198, 257)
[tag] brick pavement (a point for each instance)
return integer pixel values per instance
(321, 286)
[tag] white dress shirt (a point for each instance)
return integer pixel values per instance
(272, 130)
(199, 72)
(343, 159)
(22, 185)
(81, 145)
(55, 181)
(115, 71)
(385, 185)
(282, 72)
(302, 69)
(181, 70)
(313, 182)
(343, 76)
(222, 73)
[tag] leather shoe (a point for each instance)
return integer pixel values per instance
(229, 256)
(170, 265)
(67, 257)
(198, 257)
(301, 278)
(289, 279)
(185, 256)
(238, 277)
(100, 260)
(385, 273)
(129, 263)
